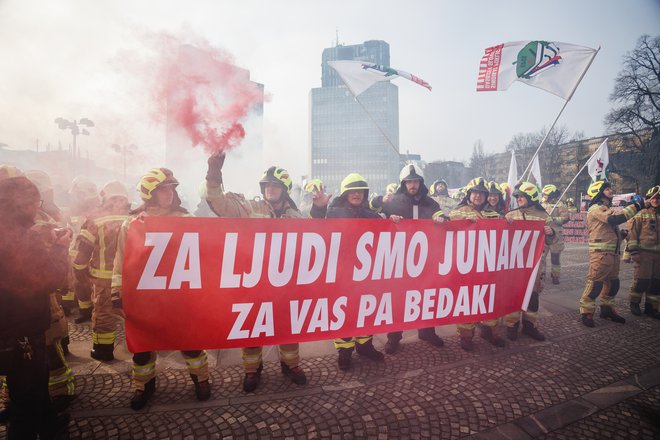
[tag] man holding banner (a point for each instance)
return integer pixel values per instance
(157, 189)
(275, 188)
(411, 201)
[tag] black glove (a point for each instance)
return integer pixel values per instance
(214, 173)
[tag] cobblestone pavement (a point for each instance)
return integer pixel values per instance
(580, 383)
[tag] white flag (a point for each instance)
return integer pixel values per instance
(536, 171)
(549, 65)
(512, 179)
(597, 164)
(360, 75)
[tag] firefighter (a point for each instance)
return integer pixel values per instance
(494, 207)
(353, 202)
(84, 199)
(61, 382)
(475, 206)
(604, 251)
(529, 208)
(95, 251)
(275, 188)
(570, 205)
(560, 216)
(33, 263)
(440, 193)
(157, 188)
(644, 248)
(411, 201)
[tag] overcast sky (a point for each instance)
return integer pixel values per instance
(73, 59)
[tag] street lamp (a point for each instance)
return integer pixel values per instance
(124, 150)
(74, 126)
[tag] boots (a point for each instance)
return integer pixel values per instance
(140, 398)
(588, 319)
(635, 310)
(344, 360)
(202, 388)
(391, 346)
(648, 308)
(607, 312)
(103, 352)
(367, 350)
(429, 336)
(491, 336)
(84, 315)
(251, 380)
(466, 339)
(555, 278)
(531, 331)
(512, 332)
(296, 374)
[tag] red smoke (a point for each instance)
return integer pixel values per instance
(202, 93)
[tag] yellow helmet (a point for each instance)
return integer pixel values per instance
(597, 187)
(477, 184)
(41, 180)
(276, 175)
(459, 195)
(7, 171)
(549, 190)
(653, 192)
(433, 191)
(313, 186)
(154, 178)
(570, 200)
(352, 182)
(528, 190)
(494, 188)
(113, 189)
(83, 188)
(391, 188)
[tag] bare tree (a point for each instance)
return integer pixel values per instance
(636, 107)
(480, 161)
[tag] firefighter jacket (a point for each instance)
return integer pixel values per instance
(228, 204)
(560, 215)
(30, 270)
(446, 203)
(536, 212)
(466, 211)
(117, 264)
(419, 206)
(95, 250)
(340, 208)
(602, 224)
(644, 231)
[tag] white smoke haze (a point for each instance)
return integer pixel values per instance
(75, 59)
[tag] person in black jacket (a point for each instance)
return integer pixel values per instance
(32, 265)
(351, 203)
(411, 201)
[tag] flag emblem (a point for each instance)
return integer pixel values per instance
(536, 57)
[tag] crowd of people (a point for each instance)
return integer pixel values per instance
(53, 262)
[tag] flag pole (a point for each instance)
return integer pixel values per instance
(387, 138)
(562, 109)
(574, 178)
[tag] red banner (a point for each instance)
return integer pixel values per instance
(194, 283)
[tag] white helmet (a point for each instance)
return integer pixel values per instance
(411, 172)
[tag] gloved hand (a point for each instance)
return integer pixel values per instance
(214, 173)
(638, 201)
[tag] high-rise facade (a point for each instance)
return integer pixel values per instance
(347, 138)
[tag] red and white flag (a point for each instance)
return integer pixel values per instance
(598, 162)
(360, 75)
(549, 65)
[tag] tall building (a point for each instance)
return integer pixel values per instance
(346, 138)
